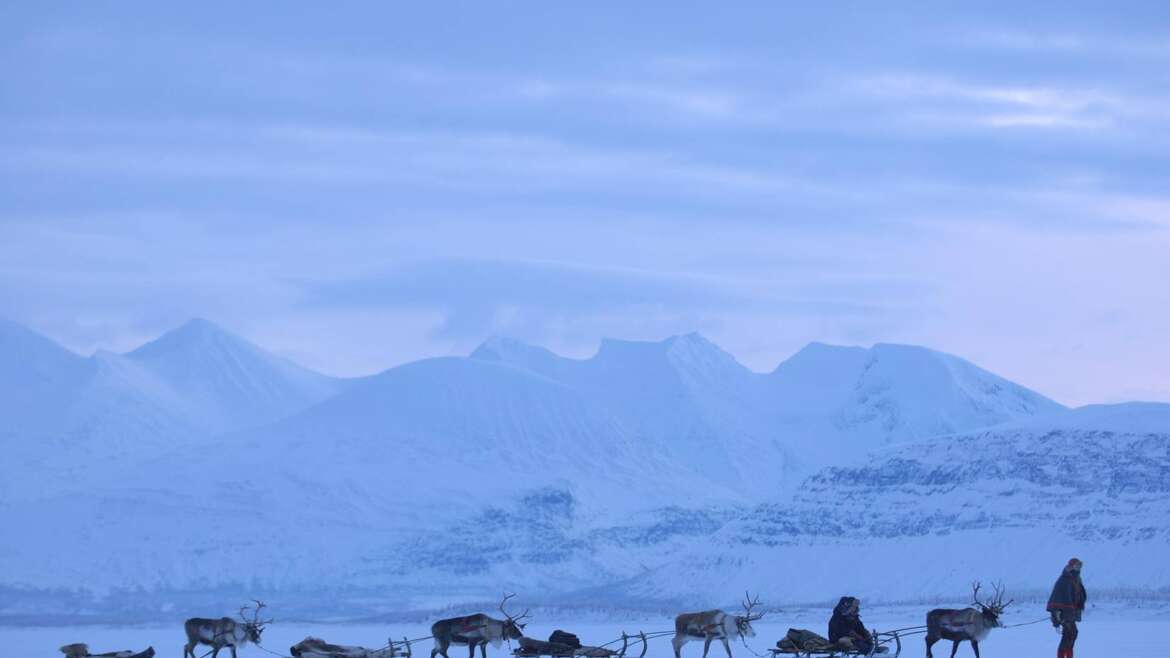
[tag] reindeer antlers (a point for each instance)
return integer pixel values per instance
(996, 602)
(255, 620)
(1000, 591)
(748, 604)
(975, 585)
(514, 620)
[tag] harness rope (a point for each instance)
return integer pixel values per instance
(1028, 623)
(264, 649)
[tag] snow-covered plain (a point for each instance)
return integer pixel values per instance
(1111, 636)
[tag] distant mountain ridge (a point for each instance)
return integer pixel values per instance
(1009, 502)
(72, 414)
(642, 473)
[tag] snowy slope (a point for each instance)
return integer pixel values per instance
(34, 373)
(634, 475)
(423, 467)
(684, 396)
(838, 403)
(229, 382)
(824, 405)
(68, 419)
(1012, 502)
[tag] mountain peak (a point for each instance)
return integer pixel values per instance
(502, 347)
(202, 327)
(195, 334)
(692, 341)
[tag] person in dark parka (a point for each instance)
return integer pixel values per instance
(846, 623)
(1066, 605)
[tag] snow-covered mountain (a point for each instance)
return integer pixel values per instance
(68, 418)
(684, 397)
(1011, 502)
(824, 405)
(650, 472)
(229, 382)
(838, 402)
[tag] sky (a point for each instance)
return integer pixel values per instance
(356, 186)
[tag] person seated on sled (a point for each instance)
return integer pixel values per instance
(845, 627)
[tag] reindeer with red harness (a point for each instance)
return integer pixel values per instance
(714, 624)
(476, 630)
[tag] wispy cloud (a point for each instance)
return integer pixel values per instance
(882, 176)
(1068, 43)
(1011, 106)
(343, 155)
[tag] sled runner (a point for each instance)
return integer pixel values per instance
(566, 645)
(804, 643)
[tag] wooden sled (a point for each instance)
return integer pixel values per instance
(82, 651)
(891, 642)
(313, 647)
(533, 648)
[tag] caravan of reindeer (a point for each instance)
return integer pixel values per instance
(972, 624)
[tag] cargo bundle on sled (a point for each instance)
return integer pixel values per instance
(562, 644)
(801, 642)
(81, 650)
(314, 647)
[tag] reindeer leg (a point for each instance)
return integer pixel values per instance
(471, 649)
(975, 646)
(929, 643)
(726, 647)
(707, 645)
(955, 647)
(677, 642)
(483, 648)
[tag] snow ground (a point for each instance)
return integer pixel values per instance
(1107, 635)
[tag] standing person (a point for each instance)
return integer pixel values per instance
(1066, 604)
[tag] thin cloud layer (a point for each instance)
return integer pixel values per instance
(768, 175)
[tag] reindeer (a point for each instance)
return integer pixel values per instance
(713, 624)
(966, 624)
(478, 629)
(224, 632)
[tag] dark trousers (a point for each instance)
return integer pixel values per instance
(1068, 637)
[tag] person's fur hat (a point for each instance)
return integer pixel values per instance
(1073, 565)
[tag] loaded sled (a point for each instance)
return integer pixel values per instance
(562, 644)
(805, 643)
(315, 647)
(80, 650)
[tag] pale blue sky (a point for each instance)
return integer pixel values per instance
(360, 185)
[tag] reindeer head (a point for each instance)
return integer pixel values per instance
(743, 623)
(991, 610)
(513, 628)
(255, 626)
